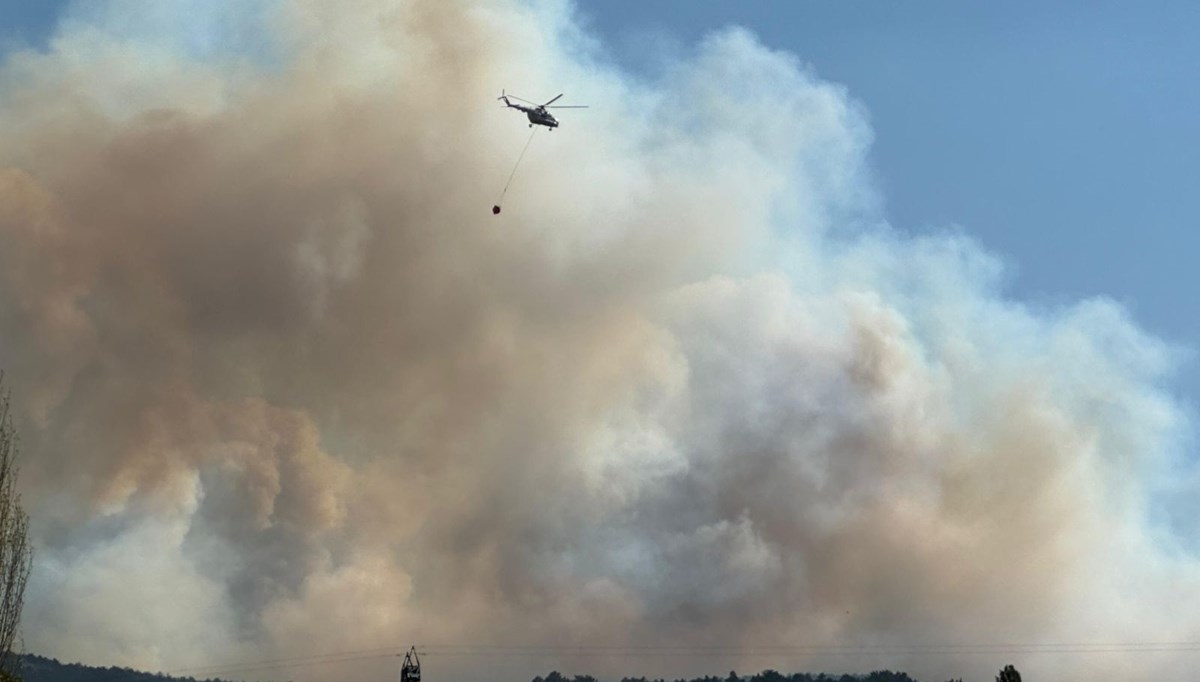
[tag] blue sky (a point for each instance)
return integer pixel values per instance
(1063, 136)
(28, 22)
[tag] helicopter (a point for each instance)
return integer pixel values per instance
(537, 112)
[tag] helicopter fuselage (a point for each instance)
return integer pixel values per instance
(541, 117)
(537, 115)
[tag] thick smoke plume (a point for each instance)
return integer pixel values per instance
(287, 387)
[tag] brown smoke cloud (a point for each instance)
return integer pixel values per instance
(287, 387)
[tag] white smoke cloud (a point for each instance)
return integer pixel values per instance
(287, 387)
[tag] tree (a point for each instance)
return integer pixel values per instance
(1008, 674)
(16, 556)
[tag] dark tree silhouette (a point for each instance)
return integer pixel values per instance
(15, 554)
(1008, 674)
(765, 676)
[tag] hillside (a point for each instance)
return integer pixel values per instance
(36, 668)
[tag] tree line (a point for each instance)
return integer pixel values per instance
(1007, 674)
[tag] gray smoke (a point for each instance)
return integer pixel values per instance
(287, 387)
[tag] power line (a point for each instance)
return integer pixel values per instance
(268, 664)
(700, 651)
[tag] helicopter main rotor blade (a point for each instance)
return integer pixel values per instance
(521, 99)
(553, 100)
(569, 106)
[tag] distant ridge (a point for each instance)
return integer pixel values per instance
(36, 668)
